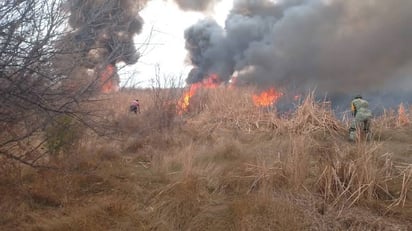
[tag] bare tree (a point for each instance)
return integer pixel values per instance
(54, 55)
(32, 77)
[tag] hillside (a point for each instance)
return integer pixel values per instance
(222, 164)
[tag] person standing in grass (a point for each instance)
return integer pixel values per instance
(135, 106)
(362, 116)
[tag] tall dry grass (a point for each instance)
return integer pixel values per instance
(223, 165)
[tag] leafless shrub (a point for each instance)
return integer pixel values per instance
(165, 92)
(31, 80)
(44, 65)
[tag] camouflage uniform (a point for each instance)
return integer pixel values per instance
(362, 117)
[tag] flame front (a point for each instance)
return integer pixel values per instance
(211, 82)
(184, 102)
(267, 98)
(108, 83)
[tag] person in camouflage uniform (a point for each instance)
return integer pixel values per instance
(362, 117)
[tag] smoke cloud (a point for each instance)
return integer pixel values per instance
(104, 29)
(334, 46)
(102, 35)
(209, 47)
(196, 5)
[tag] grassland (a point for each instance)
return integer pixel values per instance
(222, 165)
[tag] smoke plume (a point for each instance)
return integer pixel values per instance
(334, 46)
(196, 5)
(210, 51)
(104, 31)
(105, 28)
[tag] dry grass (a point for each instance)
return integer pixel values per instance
(224, 165)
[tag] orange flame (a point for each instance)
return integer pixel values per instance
(267, 98)
(402, 116)
(211, 82)
(108, 83)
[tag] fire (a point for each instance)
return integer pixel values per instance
(402, 116)
(267, 97)
(184, 102)
(108, 83)
(211, 82)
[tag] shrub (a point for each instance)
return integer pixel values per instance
(63, 134)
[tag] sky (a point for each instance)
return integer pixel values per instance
(162, 44)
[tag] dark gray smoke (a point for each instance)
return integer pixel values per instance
(210, 51)
(333, 46)
(196, 5)
(104, 29)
